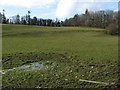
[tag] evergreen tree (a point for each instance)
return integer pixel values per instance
(3, 17)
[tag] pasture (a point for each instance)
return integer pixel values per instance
(75, 53)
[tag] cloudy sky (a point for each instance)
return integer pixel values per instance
(60, 9)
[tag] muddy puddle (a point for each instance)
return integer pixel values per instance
(32, 67)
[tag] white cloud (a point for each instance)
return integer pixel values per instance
(97, 0)
(66, 7)
(26, 3)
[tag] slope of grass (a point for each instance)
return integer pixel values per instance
(81, 53)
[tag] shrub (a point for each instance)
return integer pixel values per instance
(113, 29)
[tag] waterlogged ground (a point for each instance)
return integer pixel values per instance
(55, 70)
(31, 67)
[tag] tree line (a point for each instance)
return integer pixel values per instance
(27, 20)
(102, 19)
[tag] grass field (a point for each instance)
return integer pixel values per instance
(79, 53)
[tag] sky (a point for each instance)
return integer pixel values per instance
(53, 9)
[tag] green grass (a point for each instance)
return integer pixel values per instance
(73, 48)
